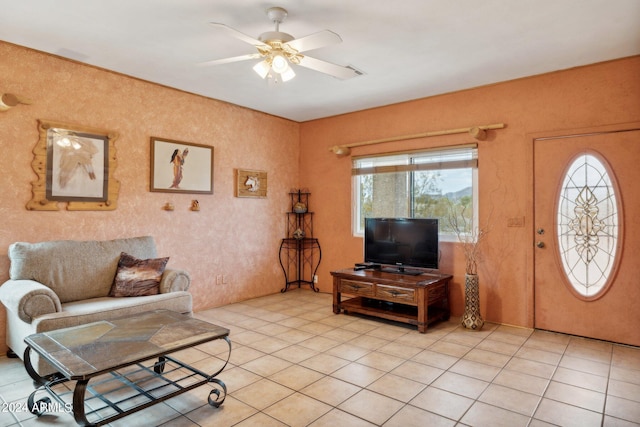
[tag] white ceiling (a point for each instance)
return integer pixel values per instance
(407, 49)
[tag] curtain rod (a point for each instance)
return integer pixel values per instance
(477, 132)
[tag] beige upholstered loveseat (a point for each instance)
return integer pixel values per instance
(64, 283)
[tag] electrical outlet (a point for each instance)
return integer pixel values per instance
(315, 279)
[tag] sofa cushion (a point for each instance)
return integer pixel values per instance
(75, 270)
(137, 277)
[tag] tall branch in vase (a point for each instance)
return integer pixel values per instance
(469, 236)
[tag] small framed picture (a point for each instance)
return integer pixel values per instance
(181, 167)
(251, 183)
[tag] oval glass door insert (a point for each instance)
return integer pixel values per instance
(588, 226)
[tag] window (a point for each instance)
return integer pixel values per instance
(425, 184)
(588, 225)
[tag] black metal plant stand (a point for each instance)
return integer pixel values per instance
(300, 252)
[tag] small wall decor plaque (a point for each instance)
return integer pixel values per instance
(251, 183)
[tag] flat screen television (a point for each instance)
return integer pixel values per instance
(396, 243)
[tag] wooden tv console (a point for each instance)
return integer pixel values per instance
(417, 300)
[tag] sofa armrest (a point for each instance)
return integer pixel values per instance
(174, 280)
(29, 299)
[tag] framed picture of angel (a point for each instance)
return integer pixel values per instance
(75, 165)
(181, 167)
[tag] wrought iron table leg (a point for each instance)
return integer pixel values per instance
(37, 379)
(158, 368)
(38, 407)
(221, 392)
(78, 402)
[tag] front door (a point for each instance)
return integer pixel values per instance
(587, 235)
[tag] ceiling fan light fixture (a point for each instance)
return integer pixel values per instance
(280, 51)
(288, 74)
(262, 68)
(279, 63)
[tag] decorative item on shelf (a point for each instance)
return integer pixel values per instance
(298, 234)
(471, 239)
(300, 207)
(168, 206)
(195, 205)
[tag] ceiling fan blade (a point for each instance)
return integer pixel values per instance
(315, 41)
(232, 59)
(328, 68)
(241, 36)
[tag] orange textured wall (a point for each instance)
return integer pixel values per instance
(238, 238)
(234, 237)
(585, 97)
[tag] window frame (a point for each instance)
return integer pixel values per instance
(411, 168)
(592, 161)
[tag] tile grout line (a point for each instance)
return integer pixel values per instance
(606, 389)
(555, 369)
(582, 352)
(511, 357)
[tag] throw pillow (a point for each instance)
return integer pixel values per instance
(137, 277)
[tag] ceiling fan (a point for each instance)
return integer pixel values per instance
(279, 50)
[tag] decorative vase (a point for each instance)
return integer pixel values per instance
(471, 319)
(298, 234)
(299, 207)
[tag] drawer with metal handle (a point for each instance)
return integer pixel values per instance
(355, 287)
(395, 294)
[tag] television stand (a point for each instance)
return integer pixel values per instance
(414, 299)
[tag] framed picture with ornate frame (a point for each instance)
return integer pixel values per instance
(181, 167)
(74, 164)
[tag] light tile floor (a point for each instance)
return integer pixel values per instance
(295, 363)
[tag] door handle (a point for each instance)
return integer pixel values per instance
(540, 244)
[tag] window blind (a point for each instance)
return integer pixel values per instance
(442, 158)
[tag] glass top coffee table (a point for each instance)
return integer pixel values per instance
(127, 359)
